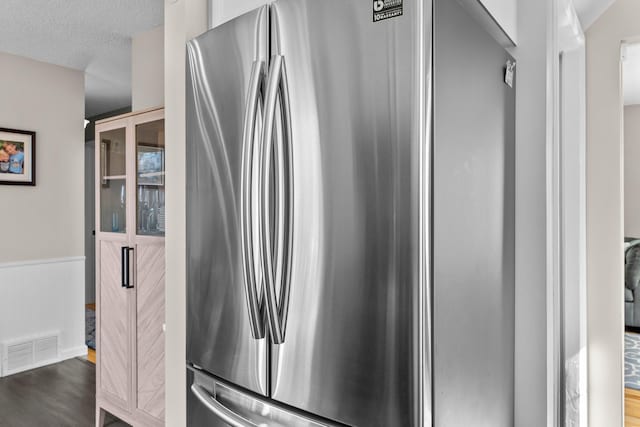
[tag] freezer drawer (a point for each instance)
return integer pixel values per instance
(211, 402)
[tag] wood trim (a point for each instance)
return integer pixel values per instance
(91, 355)
(112, 237)
(146, 117)
(110, 125)
(149, 240)
(41, 262)
(631, 407)
(127, 115)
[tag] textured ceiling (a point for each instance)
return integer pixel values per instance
(590, 10)
(90, 35)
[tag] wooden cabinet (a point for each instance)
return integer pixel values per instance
(130, 268)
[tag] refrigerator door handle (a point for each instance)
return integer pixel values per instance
(222, 412)
(277, 307)
(253, 107)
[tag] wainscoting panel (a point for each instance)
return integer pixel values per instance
(41, 296)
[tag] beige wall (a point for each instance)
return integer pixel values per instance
(605, 210)
(147, 69)
(632, 171)
(184, 19)
(46, 221)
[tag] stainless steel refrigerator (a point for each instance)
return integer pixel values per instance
(350, 218)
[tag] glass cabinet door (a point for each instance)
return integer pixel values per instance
(150, 178)
(113, 182)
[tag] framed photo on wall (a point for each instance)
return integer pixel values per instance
(17, 157)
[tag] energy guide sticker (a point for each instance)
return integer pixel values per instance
(385, 9)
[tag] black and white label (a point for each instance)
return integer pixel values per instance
(385, 9)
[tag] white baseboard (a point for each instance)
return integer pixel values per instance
(31, 367)
(71, 353)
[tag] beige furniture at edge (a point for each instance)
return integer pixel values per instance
(130, 268)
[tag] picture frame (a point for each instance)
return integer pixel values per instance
(150, 165)
(17, 157)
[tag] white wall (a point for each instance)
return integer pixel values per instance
(632, 171)
(147, 69)
(184, 19)
(45, 222)
(44, 296)
(605, 210)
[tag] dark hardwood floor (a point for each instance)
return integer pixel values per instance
(60, 395)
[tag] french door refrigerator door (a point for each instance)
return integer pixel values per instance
(225, 71)
(474, 224)
(349, 341)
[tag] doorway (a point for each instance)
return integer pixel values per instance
(90, 246)
(630, 66)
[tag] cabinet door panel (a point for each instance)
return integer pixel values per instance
(115, 326)
(150, 343)
(112, 180)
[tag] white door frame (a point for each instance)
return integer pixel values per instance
(567, 216)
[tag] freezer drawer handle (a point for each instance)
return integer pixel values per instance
(253, 108)
(222, 412)
(282, 153)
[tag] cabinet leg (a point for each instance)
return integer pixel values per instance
(99, 417)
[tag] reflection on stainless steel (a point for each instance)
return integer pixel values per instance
(239, 409)
(286, 145)
(422, 305)
(349, 350)
(229, 417)
(473, 218)
(331, 211)
(254, 99)
(277, 90)
(217, 301)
